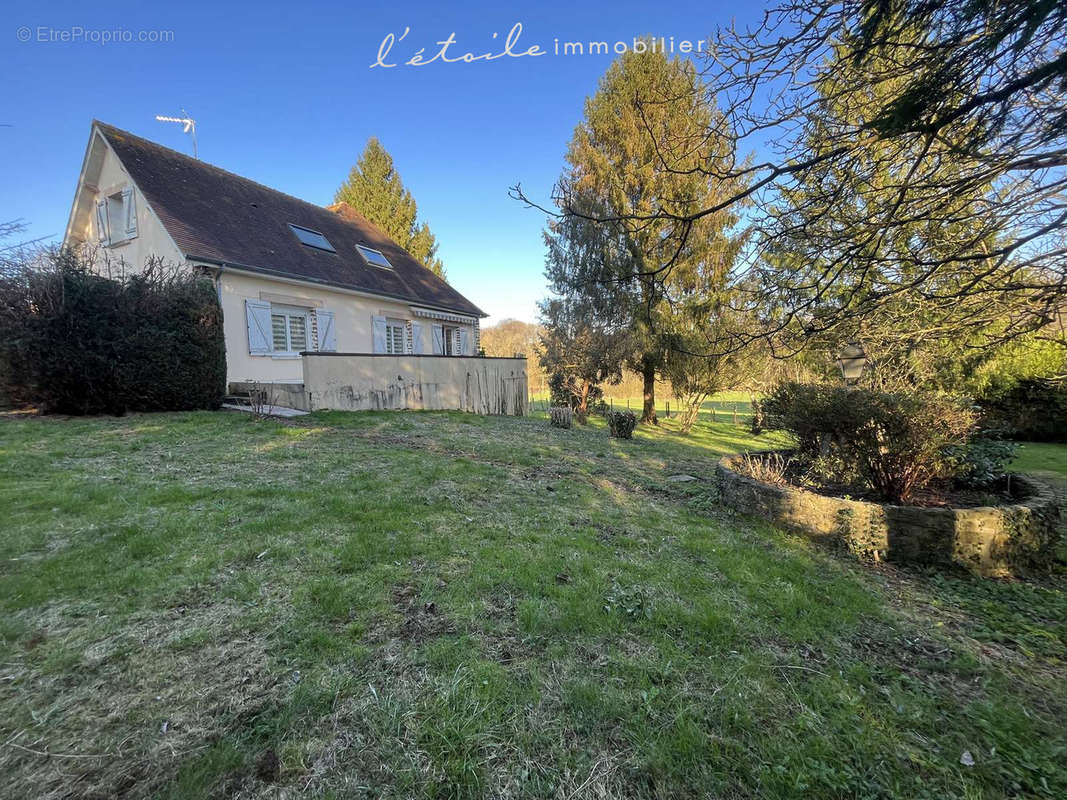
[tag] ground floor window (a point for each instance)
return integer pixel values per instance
(394, 337)
(289, 330)
(451, 340)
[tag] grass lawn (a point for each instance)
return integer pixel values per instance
(1042, 457)
(434, 605)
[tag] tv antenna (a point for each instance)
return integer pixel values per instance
(189, 126)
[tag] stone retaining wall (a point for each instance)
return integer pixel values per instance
(990, 541)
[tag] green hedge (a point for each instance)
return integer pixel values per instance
(1031, 410)
(74, 342)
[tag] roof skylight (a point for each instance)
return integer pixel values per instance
(312, 238)
(375, 257)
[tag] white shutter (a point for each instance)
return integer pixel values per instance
(416, 337)
(327, 331)
(257, 313)
(378, 333)
(101, 220)
(129, 207)
(464, 342)
(438, 340)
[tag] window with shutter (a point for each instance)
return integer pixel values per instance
(117, 216)
(327, 332)
(259, 326)
(101, 221)
(289, 330)
(378, 333)
(416, 338)
(449, 335)
(129, 210)
(394, 337)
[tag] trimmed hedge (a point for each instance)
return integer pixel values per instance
(73, 342)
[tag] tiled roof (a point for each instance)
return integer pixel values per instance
(217, 216)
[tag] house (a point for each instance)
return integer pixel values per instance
(297, 282)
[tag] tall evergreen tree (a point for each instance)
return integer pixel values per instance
(824, 222)
(635, 272)
(941, 101)
(374, 188)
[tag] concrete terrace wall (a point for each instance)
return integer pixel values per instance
(993, 541)
(286, 395)
(363, 382)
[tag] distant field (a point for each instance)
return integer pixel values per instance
(723, 407)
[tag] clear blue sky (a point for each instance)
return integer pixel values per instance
(283, 93)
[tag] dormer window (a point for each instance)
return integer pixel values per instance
(116, 216)
(312, 238)
(375, 257)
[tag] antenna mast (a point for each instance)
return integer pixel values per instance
(189, 127)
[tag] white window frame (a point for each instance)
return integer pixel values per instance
(401, 328)
(449, 334)
(289, 313)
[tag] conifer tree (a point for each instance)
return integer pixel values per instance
(639, 272)
(374, 188)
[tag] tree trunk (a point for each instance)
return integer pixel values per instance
(648, 373)
(690, 411)
(582, 411)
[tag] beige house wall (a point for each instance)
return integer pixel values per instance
(152, 239)
(352, 321)
(104, 175)
(346, 382)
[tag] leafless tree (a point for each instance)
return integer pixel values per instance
(910, 172)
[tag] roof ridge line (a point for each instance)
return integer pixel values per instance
(190, 218)
(201, 162)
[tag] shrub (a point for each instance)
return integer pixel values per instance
(567, 390)
(897, 443)
(1032, 409)
(560, 416)
(622, 424)
(982, 462)
(74, 342)
(772, 468)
